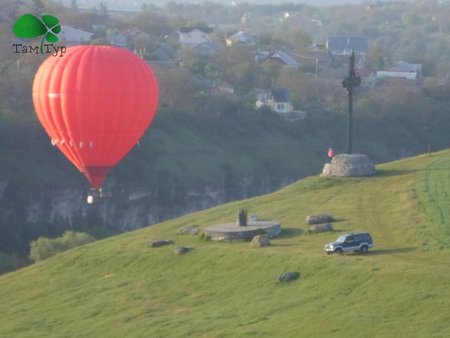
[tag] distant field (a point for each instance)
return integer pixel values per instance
(121, 287)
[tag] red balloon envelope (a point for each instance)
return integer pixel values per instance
(95, 102)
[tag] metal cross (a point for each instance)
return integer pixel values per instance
(350, 82)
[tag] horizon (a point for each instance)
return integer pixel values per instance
(314, 3)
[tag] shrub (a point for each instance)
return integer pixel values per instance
(44, 247)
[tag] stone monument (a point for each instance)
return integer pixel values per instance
(350, 165)
(242, 218)
(242, 229)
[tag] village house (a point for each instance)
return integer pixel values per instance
(403, 70)
(344, 45)
(285, 59)
(73, 35)
(137, 39)
(280, 57)
(240, 37)
(277, 99)
(192, 37)
(163, 57)
(116, 38)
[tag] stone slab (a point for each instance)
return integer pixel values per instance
(232, 232)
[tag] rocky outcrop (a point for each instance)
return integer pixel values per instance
(260, 241)
(319, 218)
(353, 165)
(188, 231)
(161, 242)
(288, 277)
(182, 250)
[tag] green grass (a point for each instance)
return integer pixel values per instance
(433, 190)
(121, 287)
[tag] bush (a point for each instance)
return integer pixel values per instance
(44, 247)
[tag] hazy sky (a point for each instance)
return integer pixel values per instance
(226, 2)
(136, 4)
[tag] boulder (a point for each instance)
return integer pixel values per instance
(288, 276)
(320, 218)
(161, 242)
(260, 240)
(349, 165)
(188, 231)
(182, 250)
(317, 228)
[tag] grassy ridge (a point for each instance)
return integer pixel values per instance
(434, 191)
(120, 287)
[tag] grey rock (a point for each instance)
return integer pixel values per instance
(288, 276)
(182, 250)
(188, 231)
(260, 241)
(320, 218)
(161, 242)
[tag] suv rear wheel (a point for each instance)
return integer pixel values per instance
(364, 249)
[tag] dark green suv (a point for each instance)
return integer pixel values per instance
(357, 242)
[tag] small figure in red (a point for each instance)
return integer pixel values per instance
(330, 153)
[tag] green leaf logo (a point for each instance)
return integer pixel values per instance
(29, 26)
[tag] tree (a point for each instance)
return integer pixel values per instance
(192, 62)
(152, 23)
(267, 73)
(303, 87)
(176, 88)
(235, 54)
(299, 40)
(376, 56)
(44, 247)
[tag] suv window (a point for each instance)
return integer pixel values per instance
(349, 239)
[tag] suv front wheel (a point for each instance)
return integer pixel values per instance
(338, 251)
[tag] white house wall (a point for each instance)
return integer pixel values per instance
(398, 75)
(194, 37)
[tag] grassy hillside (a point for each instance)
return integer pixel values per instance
(121, 287)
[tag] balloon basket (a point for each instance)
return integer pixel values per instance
(94, 195)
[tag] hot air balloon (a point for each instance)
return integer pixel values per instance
(95, 103)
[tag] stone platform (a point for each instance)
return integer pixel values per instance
(233, 232)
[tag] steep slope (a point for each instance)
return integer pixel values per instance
(121, 287)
